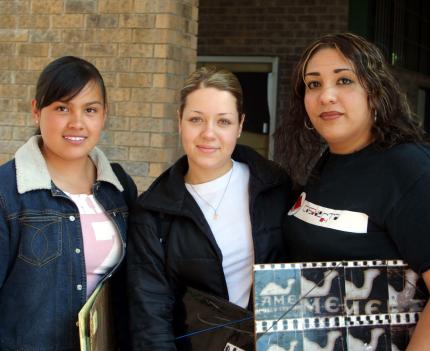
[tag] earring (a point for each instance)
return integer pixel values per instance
(36, 121)
(307, 126)
(375, 115)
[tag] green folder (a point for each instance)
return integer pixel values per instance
(95, 319)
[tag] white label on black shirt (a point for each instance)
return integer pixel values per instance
(347, 221)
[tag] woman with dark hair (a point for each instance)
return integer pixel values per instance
(63, 212)
(351, 139)
(206, 220)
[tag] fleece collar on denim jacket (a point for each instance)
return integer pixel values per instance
(32, 172)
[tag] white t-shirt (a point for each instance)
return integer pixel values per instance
(102, 245)
(231, 228)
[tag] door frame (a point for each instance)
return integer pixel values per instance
(269, 64)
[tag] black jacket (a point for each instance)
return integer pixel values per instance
(171, 246)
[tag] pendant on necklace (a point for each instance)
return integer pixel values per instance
(215, 216)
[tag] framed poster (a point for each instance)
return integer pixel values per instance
(334, 306)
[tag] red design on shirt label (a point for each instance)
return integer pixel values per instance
(344, 220)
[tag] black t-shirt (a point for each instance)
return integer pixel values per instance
(372, 204)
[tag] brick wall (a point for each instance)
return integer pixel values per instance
(144, 50)
(268, 28)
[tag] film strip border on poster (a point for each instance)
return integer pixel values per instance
(335, 306)
(301, 324)
(331, 264)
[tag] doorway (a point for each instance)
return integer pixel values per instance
(259, 78)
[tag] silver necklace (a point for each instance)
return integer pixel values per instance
(214, 209)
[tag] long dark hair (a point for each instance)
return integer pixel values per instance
(298, 148)
(64, 78)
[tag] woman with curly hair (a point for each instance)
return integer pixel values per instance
(352, 144)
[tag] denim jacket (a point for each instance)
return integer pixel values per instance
(42, 263)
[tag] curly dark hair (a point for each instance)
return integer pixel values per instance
(298, 148)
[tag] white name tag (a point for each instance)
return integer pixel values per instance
(347, 221)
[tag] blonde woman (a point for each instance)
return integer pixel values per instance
(223, 205)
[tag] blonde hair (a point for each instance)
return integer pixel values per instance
(212, 77)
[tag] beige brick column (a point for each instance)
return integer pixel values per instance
(144, 50)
